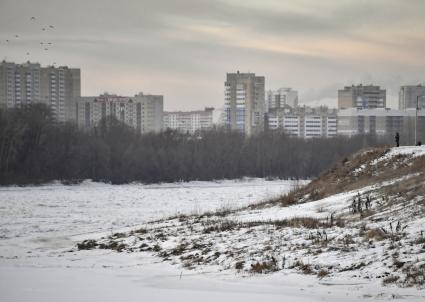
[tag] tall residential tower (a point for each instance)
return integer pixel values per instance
(362, 97)
(28, 83)
(244, 102)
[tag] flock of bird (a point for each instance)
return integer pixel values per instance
(44, 45)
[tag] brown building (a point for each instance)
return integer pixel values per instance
(362, 97)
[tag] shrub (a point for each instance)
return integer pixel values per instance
(376, 234)
(390, 280)
(322, 273)
(239, 265)
(87, 245)
(263, 267)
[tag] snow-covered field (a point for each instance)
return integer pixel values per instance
(50, 216)
(40, 226)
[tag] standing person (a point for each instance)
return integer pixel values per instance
(397, 139)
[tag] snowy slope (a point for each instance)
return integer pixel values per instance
(326, 228)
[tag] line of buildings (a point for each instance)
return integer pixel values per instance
(60, 89)
(248, 107)
(362, 109)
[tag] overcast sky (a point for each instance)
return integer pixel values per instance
(183, 48)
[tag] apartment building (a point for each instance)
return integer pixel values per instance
(189, 121)
(244, 103)
(142, 112)
(304, 122)
(411, 96)
(29, 83)
(362, 97)
(382, 121)
(282, 97)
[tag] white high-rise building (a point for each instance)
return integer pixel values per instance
(142, 112)
(29, 83)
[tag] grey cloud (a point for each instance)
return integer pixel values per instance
(150, 37)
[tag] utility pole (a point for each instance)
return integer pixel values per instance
(416, 116)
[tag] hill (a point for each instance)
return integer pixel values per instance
(362, 219)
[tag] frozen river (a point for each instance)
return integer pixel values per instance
(40, 224)
(48, 216)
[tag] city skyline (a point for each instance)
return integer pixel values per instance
(182, 50)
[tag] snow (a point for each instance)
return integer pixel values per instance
(48, 215)
(40, 226)
(132, 277)
(337, 204)
(415, 151)
(411, 151)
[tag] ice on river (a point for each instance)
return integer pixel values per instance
(40, 224)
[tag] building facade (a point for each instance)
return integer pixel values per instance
(355, 121)
(189, 121)
(244, 102)
(410, 96)
(304, 122)
(142, 112)
(362, 97)
(281, 97)
(29, 83)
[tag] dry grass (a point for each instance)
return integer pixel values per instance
(390, 280)
(225, 225)
(263, 267)
(409, 188)
(305, 268)
(414, 275)
(87, 245)
(322, 273)
(214, 226)
(239, 265)
(179, 249)
(297, 222)
(341, 178)
(376, 234)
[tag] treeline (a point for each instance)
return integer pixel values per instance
(35, 149)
